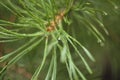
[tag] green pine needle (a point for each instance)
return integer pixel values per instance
(52, 21)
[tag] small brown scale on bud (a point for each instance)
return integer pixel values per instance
(54, 23)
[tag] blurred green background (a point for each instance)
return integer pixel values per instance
(106, 67)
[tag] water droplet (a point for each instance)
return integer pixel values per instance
(88, 3)
(105, 13)
(116, 7)
(59, 38)
(100, 42)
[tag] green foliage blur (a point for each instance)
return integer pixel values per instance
(107, 55)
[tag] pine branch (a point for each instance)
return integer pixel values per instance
(44, 22)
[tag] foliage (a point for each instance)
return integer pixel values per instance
(53, 25)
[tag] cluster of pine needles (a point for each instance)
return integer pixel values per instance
(43, 21)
